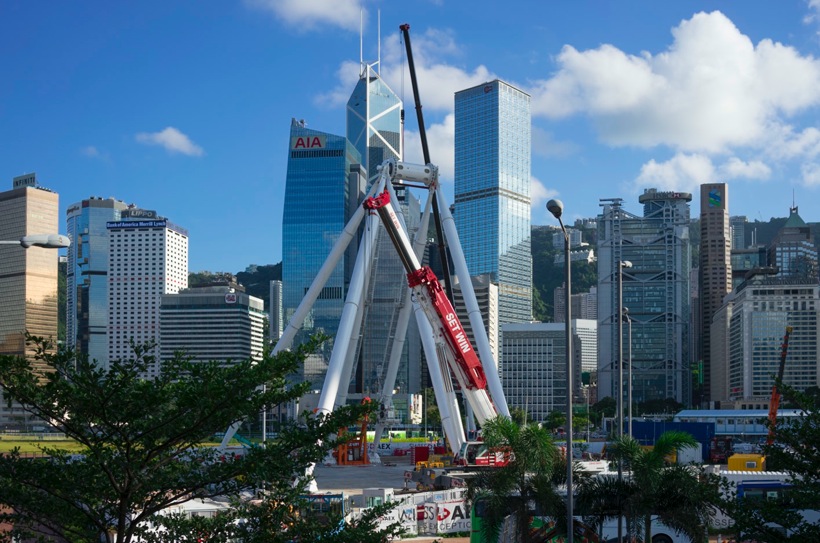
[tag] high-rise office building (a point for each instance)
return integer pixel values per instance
(486, 293)
(212, 322)
(374, 127)
(535, 363)
(656, 293)
(147, 257)
(584, 304)
(325, 182)
(87, 275)
(276, 321)
(28, 277)
(715, 267)
(374, 120)
(737, 224)
(793, 251)
(747, 335)
(492, 191)
(385, 293)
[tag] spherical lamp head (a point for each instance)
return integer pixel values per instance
(556, 207)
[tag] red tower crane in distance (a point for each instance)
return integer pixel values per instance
(774, 403)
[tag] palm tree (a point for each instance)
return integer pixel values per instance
(650, 488)
(524, 485)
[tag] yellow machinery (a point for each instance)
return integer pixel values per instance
(747, 462)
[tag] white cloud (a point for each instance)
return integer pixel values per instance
(814, 10)
(734, 168)
(438, 81)
(310, 14)
(686, 172)
(810, 174)
(682, 173)
(711, 90)
(544, 144)
(539, 193)
(172, 140)
(90, 151)
(440, 138)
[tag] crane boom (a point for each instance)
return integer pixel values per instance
(458, 352)
(425, 149)
(774, 403)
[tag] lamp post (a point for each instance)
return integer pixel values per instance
(556, 207)
(629, 370)
(621, 265)
(46, 241)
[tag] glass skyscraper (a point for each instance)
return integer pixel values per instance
(324, 185)
(492, 191)
(374, 127)
(374, 120)
(28, 277)
(655, 291)
(87, 275)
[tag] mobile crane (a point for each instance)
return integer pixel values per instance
(452, 343)
(774, 403)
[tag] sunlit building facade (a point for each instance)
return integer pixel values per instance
(747, 333)
(213, 322)
(87, 275)
(147, 257)
(492, 191)
(656, 293)
(715, 280)
(28, 277)
(324, 184)
(374, 120)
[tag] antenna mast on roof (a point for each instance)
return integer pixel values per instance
(361, 42)
(379, 27)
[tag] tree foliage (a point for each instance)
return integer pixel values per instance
(528, 479)
(796, 449)
(681, 498)
(142, 443)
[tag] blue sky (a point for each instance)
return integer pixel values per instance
(184, 106)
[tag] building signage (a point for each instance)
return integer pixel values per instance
(230, 298)
(308, 142)
(136, 224)
(134, 213)
(715, 198)
(29, 180)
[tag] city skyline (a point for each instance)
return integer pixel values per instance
(184, 108)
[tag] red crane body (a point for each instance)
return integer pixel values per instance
(774, 403)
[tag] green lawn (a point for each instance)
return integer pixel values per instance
(30, 445)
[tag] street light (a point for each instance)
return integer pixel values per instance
(46, 241)
(629, 373)
(621, 265)
(556, 207)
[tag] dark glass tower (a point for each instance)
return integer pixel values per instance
(492, 191)
(323, 186)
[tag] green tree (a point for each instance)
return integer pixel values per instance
(528, 478)
(142, 443)
(796, 449)
(676, 495)
(555, 419)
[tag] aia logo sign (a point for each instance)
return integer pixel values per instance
(307, 142)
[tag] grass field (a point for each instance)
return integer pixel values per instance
(30, 445)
